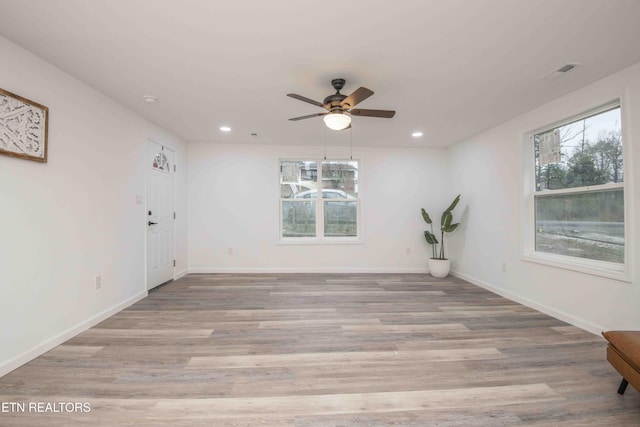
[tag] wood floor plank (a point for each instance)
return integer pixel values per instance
(305, 359)
(75, 350)
(299, 323)
(362, 402)
(149, 333)
(444, 327)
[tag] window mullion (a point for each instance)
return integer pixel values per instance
(319, 204)
(574, 190)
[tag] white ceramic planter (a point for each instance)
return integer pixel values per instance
(439, 267)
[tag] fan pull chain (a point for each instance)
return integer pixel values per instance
(351, 143)
(325, 141)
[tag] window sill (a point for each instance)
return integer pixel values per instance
(593, 268)
(295, 241)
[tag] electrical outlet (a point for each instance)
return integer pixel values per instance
(98, 282)
(504, 267)
(407, 251)
(230, 251)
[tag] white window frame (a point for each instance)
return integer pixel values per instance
(621, 272)
(320, 239)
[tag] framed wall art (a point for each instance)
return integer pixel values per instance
(23, 127)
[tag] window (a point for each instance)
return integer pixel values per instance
(577, 204)
(160, 162)
(319, 200)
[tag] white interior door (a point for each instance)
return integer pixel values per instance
(160, 214)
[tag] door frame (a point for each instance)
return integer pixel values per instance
(173, 207)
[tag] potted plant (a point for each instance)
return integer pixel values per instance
(439, 265)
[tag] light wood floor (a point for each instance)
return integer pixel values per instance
(318, 350)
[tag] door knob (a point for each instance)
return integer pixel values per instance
(152, 223)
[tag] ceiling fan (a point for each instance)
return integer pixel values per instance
(340, 107)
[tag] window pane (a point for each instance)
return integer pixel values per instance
(340, 219)
(582, 153)
(585, 225)
(297, 177)
(298, 218)
(340, 179)
(161, 162)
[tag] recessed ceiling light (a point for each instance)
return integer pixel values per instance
(417, 134)
(150, 99)
(225, 128)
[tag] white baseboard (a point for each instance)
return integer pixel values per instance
(239, 270)
(560, 315)
(181, 274)
(49, 344)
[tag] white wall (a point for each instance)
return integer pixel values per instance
(234, 202)
(75, 217)
(488, 171)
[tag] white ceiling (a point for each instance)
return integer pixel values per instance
(450, 68)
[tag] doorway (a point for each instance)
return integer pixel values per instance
(160, 214)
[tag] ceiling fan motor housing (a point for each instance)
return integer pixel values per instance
(333, 101)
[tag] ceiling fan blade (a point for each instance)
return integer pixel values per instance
(308, 116)
(305, 99)
(356, 97)
(385, 114)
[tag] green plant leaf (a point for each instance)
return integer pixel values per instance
(426, 216)
(447, 217)
(453, 204)
(450, 228)
(430, 238)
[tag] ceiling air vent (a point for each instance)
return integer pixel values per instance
(567, 68)
(560, 71)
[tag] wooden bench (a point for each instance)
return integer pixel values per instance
(623, 352)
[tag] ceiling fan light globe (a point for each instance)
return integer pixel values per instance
(337, 121)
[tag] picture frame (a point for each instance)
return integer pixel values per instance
(24, 126)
